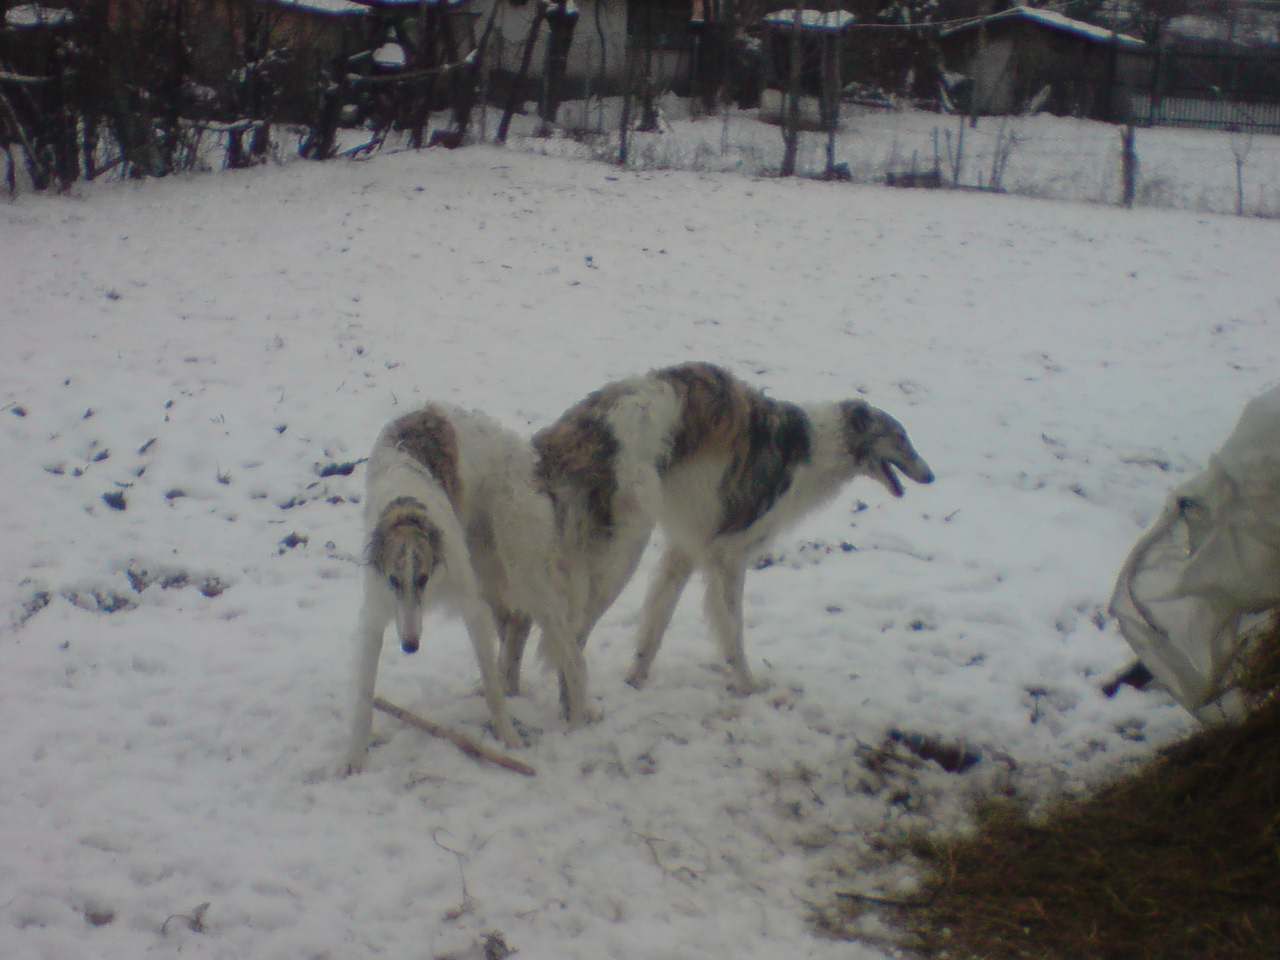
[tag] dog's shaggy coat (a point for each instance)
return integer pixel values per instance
(605, 496)
(721, 468)
(456, 516)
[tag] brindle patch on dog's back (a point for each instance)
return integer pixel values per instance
(429, 437)
(763, 440)
(713, 411)
(579, 451)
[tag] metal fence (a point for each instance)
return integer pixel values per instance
(1211, 90)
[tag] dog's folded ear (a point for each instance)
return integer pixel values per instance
(859, 418)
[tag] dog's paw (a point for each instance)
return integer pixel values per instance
(588, 715)
(351, 764)
(507, 733)
(637, 677)
(744, 685)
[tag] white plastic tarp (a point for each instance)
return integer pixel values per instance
(1211, 558)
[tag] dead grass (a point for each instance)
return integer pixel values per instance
(1260, 678)
(1180, 860)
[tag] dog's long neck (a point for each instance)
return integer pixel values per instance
(801, 466)
(830, 455)
(823, 473)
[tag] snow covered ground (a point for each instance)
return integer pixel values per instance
(202, 351)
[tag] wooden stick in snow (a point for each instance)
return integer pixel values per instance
(462, 742)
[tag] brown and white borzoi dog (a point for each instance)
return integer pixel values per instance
(732, 467)
(456, 517)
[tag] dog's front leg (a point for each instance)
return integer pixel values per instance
(674, 570)
(368, 649)
(726, 583)
(564, 645)
(481, 629)
(513, 634)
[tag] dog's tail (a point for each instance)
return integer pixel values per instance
(644, 421)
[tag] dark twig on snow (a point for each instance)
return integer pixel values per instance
(195, 919)
(468, 902)
(684, 874)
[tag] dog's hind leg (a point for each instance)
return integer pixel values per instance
(564, 647)
(726, 580)
(513, 634)
(480, 627)
(368, 649)
(611, 570)
(674, 570)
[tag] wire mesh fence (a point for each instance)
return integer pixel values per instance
(1217, 91)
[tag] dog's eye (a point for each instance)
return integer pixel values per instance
(395, 582)
(421, 582)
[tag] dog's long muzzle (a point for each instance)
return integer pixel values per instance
(919, 471)
(409, 626)
(915, 469)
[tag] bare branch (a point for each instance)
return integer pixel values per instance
(464, 743)
(18, 78)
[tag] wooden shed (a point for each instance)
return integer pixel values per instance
(821, 48)
(1024, 54)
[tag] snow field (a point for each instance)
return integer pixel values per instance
(173, 705)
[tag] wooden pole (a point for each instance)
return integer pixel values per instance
(464, 743)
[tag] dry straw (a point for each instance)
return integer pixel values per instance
(1179, 860)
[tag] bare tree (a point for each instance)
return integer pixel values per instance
(526, 58)
(331, 90)
(254, 92)
(604, 58)
(831, 82)
(647, 81)
(624, 124)
(791, 116)
(473, 71)
(562, 19)
(975, 102)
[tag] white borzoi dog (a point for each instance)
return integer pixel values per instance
(605, 496)
(732, 468)
(455, 517)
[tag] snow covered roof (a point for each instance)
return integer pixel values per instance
(339, 8)
(1054, 21)
(412, 3)
(390, 56)
(1260, 30)
(335, 8)
(832, 21)
(33, 15)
